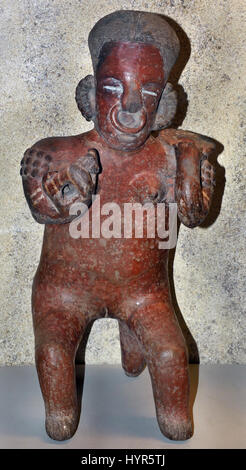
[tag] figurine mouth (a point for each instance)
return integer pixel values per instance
(127, 123)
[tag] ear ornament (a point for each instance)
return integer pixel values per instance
(85, 97)
(166, 109)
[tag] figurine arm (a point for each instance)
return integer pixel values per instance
(195, 176)
(52, 186)
(195, 182)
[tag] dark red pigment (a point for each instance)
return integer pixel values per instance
(81, 280)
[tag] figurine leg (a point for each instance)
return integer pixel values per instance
(132, 357)
(166, 355)
(57, 336)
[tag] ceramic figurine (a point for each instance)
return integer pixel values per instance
(81, 279)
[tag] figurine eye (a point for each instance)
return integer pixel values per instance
(149, 92)
(151, 89)
(113, 86)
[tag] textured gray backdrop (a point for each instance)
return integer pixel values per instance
(43, 50)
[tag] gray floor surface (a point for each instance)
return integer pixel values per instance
(118, 411)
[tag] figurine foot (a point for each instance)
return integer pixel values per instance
(61, 426)
(176, 429)
(135, 372)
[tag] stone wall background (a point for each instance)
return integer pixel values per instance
(44, 53)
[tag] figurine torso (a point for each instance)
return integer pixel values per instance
(146, 175)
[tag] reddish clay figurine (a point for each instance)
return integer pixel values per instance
(82, 279)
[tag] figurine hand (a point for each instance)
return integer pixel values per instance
(74, 183)
(35, 164)
(194, 184)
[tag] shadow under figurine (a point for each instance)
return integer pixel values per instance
(81, 280)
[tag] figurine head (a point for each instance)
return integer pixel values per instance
(132, 54)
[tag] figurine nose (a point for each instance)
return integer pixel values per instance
(131, 100)
(130, 117)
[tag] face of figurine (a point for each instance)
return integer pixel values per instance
(129, 84)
